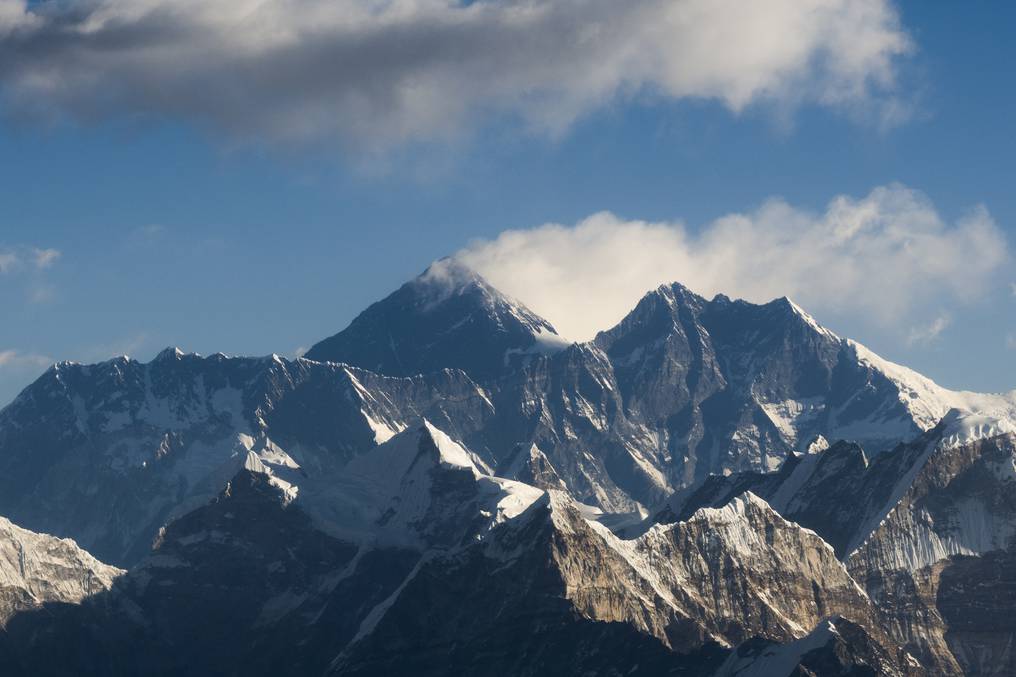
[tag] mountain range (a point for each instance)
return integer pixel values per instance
(449, 487)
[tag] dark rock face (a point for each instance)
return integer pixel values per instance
(976, 597)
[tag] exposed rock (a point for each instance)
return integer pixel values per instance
(36, 569)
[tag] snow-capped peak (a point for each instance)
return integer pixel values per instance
(449, 317)
(171, 353)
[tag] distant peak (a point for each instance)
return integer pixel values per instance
(805, 316)
(669, 294)
(169, 354)
(449, 277)
(451, 271)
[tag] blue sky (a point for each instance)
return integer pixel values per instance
(179, 223)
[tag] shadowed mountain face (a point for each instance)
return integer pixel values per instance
(447, 487)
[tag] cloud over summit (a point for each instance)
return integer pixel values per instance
(888, 259)
(381, 73)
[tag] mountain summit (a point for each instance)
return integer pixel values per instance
(448, 317)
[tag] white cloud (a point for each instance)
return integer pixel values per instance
(16, 359)
(888, 258)
(384, 73)
(130, 345)
(19, 258)
(1010, 341)
(930, 332)
(22, 260)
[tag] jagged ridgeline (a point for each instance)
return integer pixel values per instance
(449, 487)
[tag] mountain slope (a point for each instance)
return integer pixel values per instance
(695, 587)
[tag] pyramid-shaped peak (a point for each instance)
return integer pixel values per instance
(452, 274)
(657, 314)
(447, 317)
(672, 296)
(169, 354)
(677, 291)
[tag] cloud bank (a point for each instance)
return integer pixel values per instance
(888, 258)
(384, 72)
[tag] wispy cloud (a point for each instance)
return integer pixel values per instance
(888, 259)
(44, 258)
(18, 259)
(929, 333)
(12, 359)
(130, 345)
(1010, 341)
(29, 265)
(378, 74)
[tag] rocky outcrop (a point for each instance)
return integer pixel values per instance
(36, 569)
